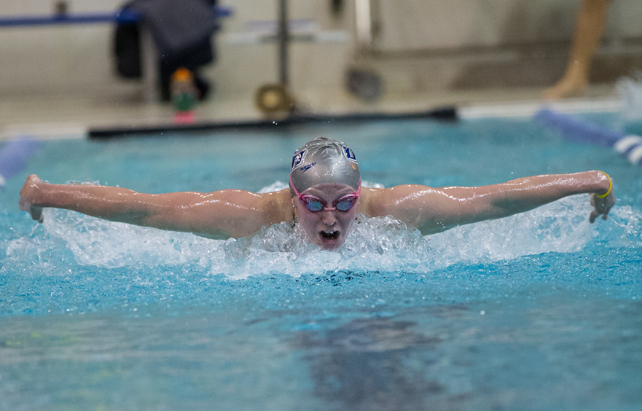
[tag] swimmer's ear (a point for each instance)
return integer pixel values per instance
(294, 210)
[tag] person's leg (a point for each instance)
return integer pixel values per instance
(588, 32)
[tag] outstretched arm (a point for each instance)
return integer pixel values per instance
(221, 214)
(433, 210)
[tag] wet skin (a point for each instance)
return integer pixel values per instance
(238, 213)
(326, 228)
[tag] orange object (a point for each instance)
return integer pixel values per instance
(182, 74)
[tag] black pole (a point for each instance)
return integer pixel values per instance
(283, 42)
(443, 114)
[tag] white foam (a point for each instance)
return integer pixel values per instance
(629, 222)
(630, 92)
(277, 186)
(376, 244)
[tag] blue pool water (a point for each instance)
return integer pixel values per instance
(541, 311)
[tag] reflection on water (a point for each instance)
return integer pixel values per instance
(362, 365)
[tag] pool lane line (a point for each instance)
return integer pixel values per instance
(530, 108)
(628, 145)
(447, 113)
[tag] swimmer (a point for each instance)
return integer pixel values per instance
(324, 198)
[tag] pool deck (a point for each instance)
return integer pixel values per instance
(58, 116)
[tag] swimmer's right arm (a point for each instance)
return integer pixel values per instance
(221, 214)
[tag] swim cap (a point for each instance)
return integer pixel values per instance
(324, 161)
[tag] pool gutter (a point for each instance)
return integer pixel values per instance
(448, 113)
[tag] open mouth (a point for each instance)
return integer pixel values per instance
(329, 235)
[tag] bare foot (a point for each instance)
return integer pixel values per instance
(566, 87)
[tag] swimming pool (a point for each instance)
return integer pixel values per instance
(536, 311)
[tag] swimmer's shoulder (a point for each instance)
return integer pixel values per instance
(277, 206)
(370, 201)
(379, 202)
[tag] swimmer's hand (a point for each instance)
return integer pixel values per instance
(28, 195)
(602, 206)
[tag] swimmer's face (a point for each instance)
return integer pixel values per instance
(326, 228)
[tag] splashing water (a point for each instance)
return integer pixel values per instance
(375, 244)
(536, 311)
(630, 92)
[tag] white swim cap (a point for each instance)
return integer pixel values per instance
(324, 161)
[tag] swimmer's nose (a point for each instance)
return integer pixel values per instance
(328, 218)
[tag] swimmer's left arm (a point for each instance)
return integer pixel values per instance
(433, 210)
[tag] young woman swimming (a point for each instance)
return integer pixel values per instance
(324, 196)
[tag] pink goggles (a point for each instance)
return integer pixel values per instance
(315, 204)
